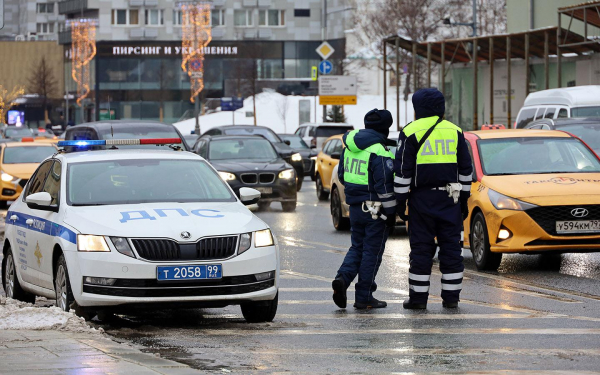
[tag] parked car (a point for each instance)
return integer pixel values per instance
(308, 154)
(588, 129)
(123, 129)
(15, 133)
(283, 148)
(251, 161)
(534, 191)
(327, 159)
(579, 101)
(316, 134)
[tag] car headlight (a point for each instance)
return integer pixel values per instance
(7, 177)
(313, 158)
(245, 242)
(502, 202)
(122, 246)
(263, 238)
(287, 174)
(296, 157)
(226, 176)
(87, 242)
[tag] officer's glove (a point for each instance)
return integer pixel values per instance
(401, 210)
(464, 208)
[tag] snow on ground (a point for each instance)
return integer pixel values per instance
(20, 315)
(272, 108)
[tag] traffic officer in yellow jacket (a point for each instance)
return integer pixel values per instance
(433, 172)
(366, 170)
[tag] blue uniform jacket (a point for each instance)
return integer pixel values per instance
(381, 174)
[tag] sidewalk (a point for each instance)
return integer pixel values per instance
(59, 352)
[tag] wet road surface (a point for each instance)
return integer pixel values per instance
(537, 313)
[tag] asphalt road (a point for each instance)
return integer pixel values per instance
(537, 313)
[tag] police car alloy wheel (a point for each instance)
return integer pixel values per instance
(62, 285)
(12, 287)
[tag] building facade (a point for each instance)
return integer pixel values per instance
(31, 20)
(137, 70)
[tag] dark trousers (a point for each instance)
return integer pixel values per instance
(431, 214)
(364, 257)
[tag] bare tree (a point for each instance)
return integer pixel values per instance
(7, 99)
(42, 82)
(163, 82)
(282, 110)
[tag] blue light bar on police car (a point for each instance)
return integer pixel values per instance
(119, 142)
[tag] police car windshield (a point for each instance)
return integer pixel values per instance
(529, 155)
(113, 182)
(241, 149)
(267, 133)
(29, 154)
(18, 132)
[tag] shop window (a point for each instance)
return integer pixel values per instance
(154, 17)
(45, 28)
(45, 8)
(217, 17)
(125, 17)
(242, 17)
(271, 17)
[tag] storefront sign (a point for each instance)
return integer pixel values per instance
(168, 50)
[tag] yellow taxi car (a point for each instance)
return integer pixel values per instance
(327, 159)
(18, 161)
(534, 191)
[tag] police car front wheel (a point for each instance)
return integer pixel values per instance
(10, 281)
(260, 311)
(62, 285)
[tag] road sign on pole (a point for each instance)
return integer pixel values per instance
(337, 90)
(325, 50)
(325, 67)
(313, 73)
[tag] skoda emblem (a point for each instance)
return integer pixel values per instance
(579, 212)
(186, 235)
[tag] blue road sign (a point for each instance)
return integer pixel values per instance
(231, 104)
(325, 67)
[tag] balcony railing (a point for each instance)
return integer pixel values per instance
(64, 37)
(72, 6)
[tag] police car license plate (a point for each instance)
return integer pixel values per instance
(265, 190)
(579, 226)
(196, 272)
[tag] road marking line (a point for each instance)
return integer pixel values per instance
(413, 331)
(371, 315)
(329, 290)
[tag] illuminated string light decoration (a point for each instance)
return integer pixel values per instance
(83, 50)
(196, 34)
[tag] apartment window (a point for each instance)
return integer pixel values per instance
(217, 17)
(125, 17)
(242, 17)
(44, 8)
(154, 17)
(45, 28)
(177, 18)
(271, 17)
(301, 12)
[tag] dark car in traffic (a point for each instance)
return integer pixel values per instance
(15, 133)
(125, 129)
(308, 154)
(282, 147)
(251, 161)
(587, 129)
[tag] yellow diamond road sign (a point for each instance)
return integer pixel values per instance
(325, 50)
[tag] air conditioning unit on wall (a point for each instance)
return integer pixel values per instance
(32, 36)
(20, 38)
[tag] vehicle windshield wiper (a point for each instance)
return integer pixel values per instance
(502, 174)
(89, 204)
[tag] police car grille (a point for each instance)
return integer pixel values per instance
(216, 247)
(153, 249)
(547, 216)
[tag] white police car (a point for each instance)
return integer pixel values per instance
(118, 229)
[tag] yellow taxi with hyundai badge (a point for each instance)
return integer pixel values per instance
(18, 161)
(97, 231)
(534, 191)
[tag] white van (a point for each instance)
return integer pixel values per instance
(579, 101)
(315, 134)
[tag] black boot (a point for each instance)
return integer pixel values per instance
(374, 303)
(450, 305)
(409, 305)
(339, 292)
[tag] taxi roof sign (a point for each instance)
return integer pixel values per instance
(325, 50)
(492, 127)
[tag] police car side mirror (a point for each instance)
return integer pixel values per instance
(249, 196)
(336, 155)
(41, 201)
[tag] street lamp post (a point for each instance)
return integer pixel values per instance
(473, 25)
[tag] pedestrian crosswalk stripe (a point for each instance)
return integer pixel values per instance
(413, 331)
(379, 316)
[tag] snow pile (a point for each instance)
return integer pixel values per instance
(272, 108)
(20, 315)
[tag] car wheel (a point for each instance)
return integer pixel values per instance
(299, 181)
(62, 285)
(480, 246)
(260, 311)
(288, 206)
(321, 193)
(262, 206)
(3, 204)
(313, 177)
(10, 281)
(339, 221)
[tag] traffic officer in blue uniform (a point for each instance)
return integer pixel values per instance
(366, 170)
(433, 173)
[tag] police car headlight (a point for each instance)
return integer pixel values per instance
(287, 174)
(502, 202)
(245, 242)
(226, 176)
(263, 238)
(296, 157)
(7, 177)
(122, 246)
(91, 243)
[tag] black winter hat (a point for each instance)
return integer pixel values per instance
(379, 120)
(428, 102)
